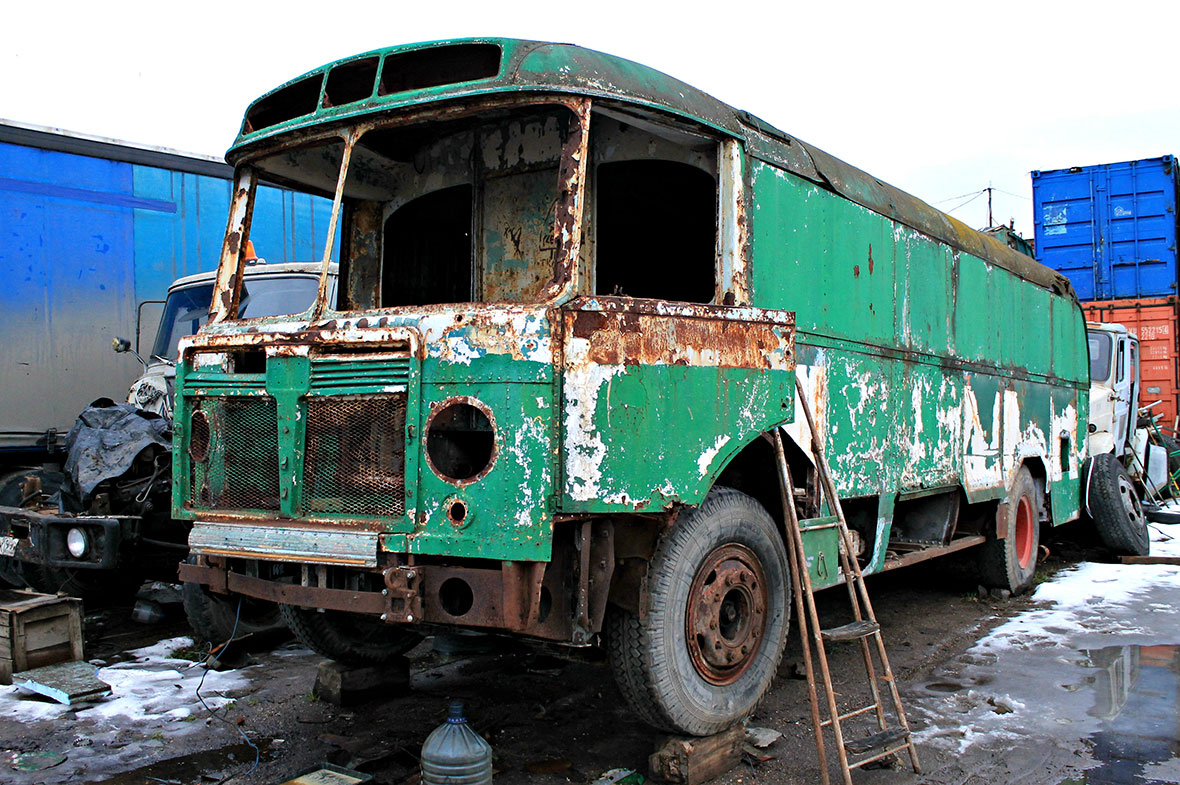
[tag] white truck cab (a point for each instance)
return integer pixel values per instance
(1114, 388)
(267, 290)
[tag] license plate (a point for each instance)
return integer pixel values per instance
(8, 546)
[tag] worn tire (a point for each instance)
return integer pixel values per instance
(1011, 562)
(349, 638)
(677, 679)
(1115, 508)
(212, 616)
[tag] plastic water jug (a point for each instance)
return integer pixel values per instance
(454, 754)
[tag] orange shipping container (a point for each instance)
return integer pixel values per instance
(1154, 322)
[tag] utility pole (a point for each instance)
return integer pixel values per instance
(989, 206)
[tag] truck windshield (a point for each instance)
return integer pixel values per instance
(187, 309)
(1100, 344)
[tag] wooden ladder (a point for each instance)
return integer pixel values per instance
(892, 735)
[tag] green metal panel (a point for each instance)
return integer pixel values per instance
(982, 371)
(509, 510)
(644, 437)
(823, 551)
(859, 419)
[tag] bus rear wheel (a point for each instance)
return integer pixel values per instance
(718, 609)
(1010, 562)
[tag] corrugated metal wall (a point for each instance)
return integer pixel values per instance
(83, 240)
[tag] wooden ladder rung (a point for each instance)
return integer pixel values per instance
(851, 632)
(877, 741)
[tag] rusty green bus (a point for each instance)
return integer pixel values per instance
(575, 294)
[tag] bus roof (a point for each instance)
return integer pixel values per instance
(423, 73)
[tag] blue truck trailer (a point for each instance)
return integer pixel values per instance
(1110, 228)
(92, 232)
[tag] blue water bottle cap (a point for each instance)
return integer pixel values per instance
(455, 714)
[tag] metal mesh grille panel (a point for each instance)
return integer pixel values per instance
(241, 467)
(355, 457)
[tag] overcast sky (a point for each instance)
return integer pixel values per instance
(938, 98)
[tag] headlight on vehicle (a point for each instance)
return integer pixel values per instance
(77, 543)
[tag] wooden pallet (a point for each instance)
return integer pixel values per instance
(37, 630)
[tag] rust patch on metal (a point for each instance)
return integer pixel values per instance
(521, 584)
(575, 153)
(648, 332)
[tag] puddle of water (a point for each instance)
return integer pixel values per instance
(1137, 705)
(944, 686)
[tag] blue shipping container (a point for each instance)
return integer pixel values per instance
(1110, 228)
(89, 229)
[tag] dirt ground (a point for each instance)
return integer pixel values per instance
(548, 719)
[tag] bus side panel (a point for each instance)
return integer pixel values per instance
(932, 422)
(857, 417)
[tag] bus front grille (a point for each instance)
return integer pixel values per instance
(355, 455)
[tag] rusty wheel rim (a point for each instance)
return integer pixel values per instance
(1024, 532)
(726, 619)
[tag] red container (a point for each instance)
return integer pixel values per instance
(1154, 321)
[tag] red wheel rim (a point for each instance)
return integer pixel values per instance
(1024, 532)
(725, 620)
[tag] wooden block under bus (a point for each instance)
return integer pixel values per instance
(689, 760)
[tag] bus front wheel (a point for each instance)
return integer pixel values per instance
(718, 609)
(349, 638)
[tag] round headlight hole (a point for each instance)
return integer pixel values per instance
(461, 441)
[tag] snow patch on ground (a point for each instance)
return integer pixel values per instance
(1029, 675)
(152, 687)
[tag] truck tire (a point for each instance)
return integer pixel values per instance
(349, 638)
(717, 615)
(212, 616)
(1011, 562)
(1115, 508)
